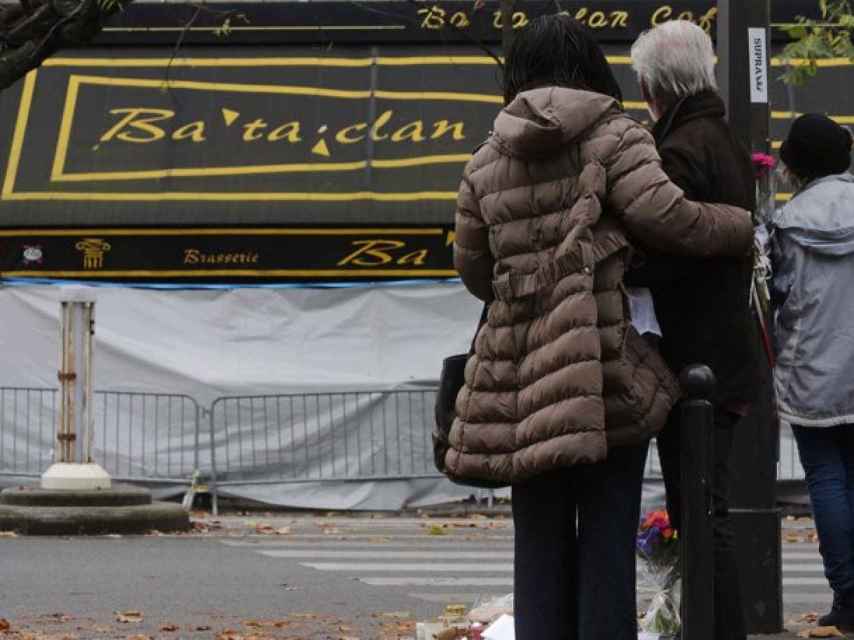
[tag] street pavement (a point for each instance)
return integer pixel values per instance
(313, 576)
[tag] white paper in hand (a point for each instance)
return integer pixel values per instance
(501, 629)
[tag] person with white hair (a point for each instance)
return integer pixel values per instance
(702, 305)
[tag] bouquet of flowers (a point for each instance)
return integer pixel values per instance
(760, 297)
(658, 546)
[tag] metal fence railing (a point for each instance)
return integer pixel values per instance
(265, 439)
(138, 436)
(27, 451)
(359, 435)
(154, 437)
(324, 436)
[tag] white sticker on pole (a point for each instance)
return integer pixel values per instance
(758, 65)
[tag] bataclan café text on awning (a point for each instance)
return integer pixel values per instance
(277, 162)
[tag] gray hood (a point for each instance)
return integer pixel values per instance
(821, 216)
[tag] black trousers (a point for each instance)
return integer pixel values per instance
(729, 610)
(575, 550)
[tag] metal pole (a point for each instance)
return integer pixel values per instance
(89, 414)
(696, 533)
(745, 79)
(507, 8)
(73, 467)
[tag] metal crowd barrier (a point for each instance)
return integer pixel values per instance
(147, 436)
(165, 438)
(29, 452)
(346, 436)
(138, 436)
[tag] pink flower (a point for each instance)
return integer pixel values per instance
(763, 164)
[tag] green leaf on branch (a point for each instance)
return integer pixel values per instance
(816, 40)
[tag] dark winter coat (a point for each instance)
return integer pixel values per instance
(703, 304)
(540, 234)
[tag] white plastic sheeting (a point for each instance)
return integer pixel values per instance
(211, 343)
(205, 344)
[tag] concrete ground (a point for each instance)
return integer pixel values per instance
(285, 576)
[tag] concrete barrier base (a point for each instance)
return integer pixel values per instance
(120, 509)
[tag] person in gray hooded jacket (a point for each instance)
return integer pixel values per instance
(813, 290)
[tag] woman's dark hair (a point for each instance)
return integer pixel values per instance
(557, 50)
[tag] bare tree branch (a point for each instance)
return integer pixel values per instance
(35, 29)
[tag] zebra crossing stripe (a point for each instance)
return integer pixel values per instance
(801, 556)
(384, 554)
(804, 582)
(815, 567)
(410, 566)
(413, 581)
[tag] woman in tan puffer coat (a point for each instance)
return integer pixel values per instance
(561, 394)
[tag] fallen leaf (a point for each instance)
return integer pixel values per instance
(139, 637)
(59, 617)
(4, 625)
(252, 623)
(264, 528)
(397, 615)
(451, 633)
(792, 537)
(436, 530)
(821, 632)
(8, 534)
(169, 627)
(202, 627)
(127, 617)
(283, 531)
(229, 635)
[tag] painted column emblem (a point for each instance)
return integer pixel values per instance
(93, 252)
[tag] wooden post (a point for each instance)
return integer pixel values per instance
(696, 533)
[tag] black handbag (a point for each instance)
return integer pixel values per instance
(451, 381)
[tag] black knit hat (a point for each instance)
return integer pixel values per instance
(816, 147)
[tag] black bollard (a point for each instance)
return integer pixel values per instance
(696, 535)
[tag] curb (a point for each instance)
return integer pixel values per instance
(65, 521)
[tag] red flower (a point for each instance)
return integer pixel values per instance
(657, 519)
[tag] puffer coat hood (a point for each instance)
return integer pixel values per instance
(535, 125)
(558, 375)
(813, 259)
